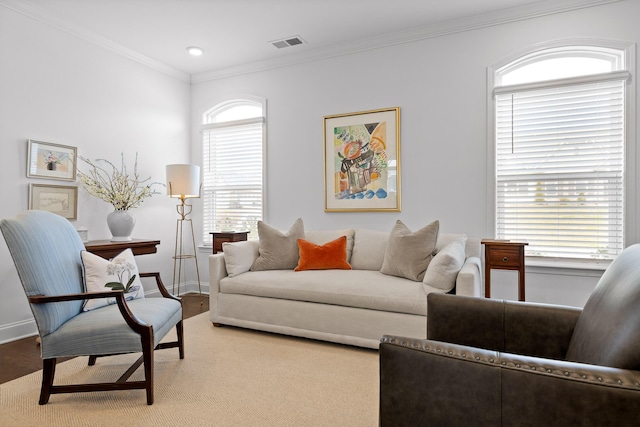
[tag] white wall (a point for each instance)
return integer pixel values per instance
(58, 88)
(440, 86)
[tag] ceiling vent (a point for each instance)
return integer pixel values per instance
(289, 41)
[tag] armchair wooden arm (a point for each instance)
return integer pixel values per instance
(134, 323)
(161, 287)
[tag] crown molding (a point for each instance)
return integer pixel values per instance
(505, 16)
(548, 7)
(39, 14)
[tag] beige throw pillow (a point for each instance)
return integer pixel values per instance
(278, 249)
(408, 254)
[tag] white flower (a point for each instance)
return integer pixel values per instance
(116, 186)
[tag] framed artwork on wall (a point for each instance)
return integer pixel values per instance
(59, 199)
(51, 161)
(362, 161)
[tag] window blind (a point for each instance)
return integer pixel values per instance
(559, 169)
(232, 176)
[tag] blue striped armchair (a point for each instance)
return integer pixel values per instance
(46, 250)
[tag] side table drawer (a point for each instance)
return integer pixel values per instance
(506, 257)
(227, 237)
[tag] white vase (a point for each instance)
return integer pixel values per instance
(121, 225)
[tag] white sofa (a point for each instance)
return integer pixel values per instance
(355, 307)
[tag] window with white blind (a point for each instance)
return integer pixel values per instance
(560, 153)
(233, 168)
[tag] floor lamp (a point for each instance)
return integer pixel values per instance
(183, 182)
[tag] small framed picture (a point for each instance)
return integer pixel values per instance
(59, 199)
(51, 161)
(362, 161)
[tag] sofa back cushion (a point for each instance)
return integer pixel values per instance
(608, 330)
(368, 249)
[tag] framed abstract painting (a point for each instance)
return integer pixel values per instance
(362, 161)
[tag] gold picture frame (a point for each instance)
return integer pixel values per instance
(362, 161)
(59, 199)
(51, 161)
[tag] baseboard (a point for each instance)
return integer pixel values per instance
(17, 330)
(185, 288)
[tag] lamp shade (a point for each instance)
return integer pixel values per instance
(183, 181)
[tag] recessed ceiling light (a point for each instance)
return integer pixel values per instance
(195, 50)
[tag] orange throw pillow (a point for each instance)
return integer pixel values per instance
(332, 255)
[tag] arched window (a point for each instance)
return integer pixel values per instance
(559, 117)
(233, 138)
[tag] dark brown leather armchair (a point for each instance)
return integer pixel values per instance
(500, 363)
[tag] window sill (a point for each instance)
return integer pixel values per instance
(567, 268)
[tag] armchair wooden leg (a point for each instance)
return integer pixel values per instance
(48, 372)
(147, 354)
(180, 333)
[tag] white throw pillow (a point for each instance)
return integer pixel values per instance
(239, 256)
(368, 249)
(320, 237)
(445, 266)
(97, 272)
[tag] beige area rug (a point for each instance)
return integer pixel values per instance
(229, 377)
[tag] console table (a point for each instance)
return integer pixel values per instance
(503, 255)
(108, 249)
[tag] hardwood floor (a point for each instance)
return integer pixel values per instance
(22, 357)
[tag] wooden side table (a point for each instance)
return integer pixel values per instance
(108, 249)
(220, 237)
(503, 255)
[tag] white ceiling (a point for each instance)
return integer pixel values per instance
(235, 33)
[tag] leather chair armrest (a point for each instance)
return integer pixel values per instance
(547, 392)
(425, 383)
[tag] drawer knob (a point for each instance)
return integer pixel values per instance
(505, 259)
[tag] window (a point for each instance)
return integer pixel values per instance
(560, 152)
(233, 168)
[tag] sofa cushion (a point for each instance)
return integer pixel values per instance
(240, 256)
(320, 237)
(368, 249)
(445, 238)
(408, 253)
(331, 255)
(278, 249)
(352, 288)
(445, 266)
(608, 330)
